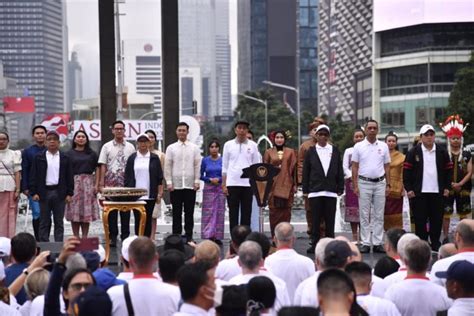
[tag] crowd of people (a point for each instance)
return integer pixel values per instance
(258, 275)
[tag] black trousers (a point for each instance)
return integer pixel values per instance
(150, 205)
(183, 198)
(428, 207)
(239, 199)
(113, 225)
(51, 203)
(323, 207)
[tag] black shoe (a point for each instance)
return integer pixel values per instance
(364, 249)
(310, 249)
(378, 249)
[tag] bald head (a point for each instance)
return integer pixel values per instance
(284, 234)
(464, 235)
(208, 251)
(402, 243)
(447, 250)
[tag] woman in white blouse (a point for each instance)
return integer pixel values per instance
(10, 167)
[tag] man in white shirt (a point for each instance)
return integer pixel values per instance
(392, 236)
(146, 294)
(464, 240)
(250, 259)
(52, 184)
(238, 154)
(196, 282)
(127, 273)
(229, 267)
(460, 287)
(286, 263)
(361, 275)
(416, 295)
(112, 160)
(427, 174)
(371, 181)
(182, 173)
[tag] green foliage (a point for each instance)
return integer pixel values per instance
(461, 100)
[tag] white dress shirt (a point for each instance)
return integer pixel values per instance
(228, 268)
(430, 171)
(324, 154)
(7, 310)
(52, 171)
(142, 172)
(282, 298)
(182, 165)
(307, 292)
(346, 163)
(189, 309)
(418, 297)
(291, 267)
(377, 289)
(462, 306)
(392, 279)
(149, 296)
(237, 156)
(443, 265)
(371, 158)
(377, 306)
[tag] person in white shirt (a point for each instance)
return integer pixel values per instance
(416, 295)
(370, 179)
(196, 282)
(447, 250)
(251, 261)
(464, 240)
(460, 286)
(229, 267)
(323, 182)
(238, 154)
(286, 263)
(182, 174)
(146, 294)
(127, 273)
(361, 275)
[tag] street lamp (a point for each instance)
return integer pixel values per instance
(298, 111)
(265, 103)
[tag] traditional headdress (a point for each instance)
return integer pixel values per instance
(454, 126)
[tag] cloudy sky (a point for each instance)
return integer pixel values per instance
(83, 32)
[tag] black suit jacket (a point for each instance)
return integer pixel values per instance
(413, 169)
(154, 168)
(314, 179)
(38, 176)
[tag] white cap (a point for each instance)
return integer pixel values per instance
(143, 135)
(5, 247)
(425, 128)
(323, 126)
(101, 252)
(125, 244)
(2, 271)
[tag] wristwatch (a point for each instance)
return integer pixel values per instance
(25, 271)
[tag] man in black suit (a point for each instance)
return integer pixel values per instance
(52, 184)
(323, 181)
(427, 178)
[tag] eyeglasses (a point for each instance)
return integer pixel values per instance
(79, 286)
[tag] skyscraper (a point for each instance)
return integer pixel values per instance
(345, 51)
(31, 48)
(74, 82)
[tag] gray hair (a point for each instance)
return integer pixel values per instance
(418, 255)
(284, 232)
(320, 248)
(76, 261)
(250, 254)
(36, 283)
(403, 242)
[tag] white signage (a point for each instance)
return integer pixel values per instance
(132, 128)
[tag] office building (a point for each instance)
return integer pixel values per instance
(74, 82)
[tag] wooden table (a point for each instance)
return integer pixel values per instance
(109, 206)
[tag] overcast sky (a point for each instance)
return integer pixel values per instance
(83, 27)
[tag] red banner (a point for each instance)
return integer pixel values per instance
(58, 122)
(19, 105)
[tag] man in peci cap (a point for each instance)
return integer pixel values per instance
(52, 184)
(427, 178)
(238, 154)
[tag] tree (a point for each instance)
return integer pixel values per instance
(461, 100)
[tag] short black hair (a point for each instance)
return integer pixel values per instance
(298, 311)
(191, 277)
(234, 300)
(170, 262)
(118, 122)
(371, 121)
(262, 291)
(70, 275)
(23, 247)
(239, 233)
(359, 272)
(150, 131)
(262, 240)
(183, 124)
(386, 266)
(251, 133)
(393, 235)
(40, 127)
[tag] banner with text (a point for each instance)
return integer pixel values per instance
(132, 128)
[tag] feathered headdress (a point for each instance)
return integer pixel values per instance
(454, 126)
